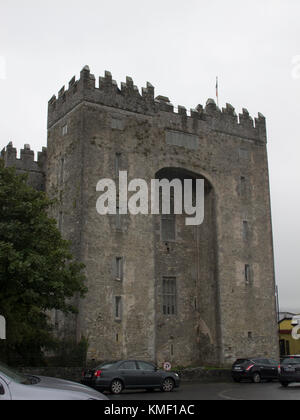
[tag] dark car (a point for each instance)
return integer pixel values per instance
(129, 374)
(289, 370)
(255, 370)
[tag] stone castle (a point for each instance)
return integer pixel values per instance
(160, 290)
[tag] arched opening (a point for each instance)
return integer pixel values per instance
(187, 300)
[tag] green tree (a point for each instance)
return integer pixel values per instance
(37, 270)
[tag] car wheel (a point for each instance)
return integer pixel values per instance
(256, 378)
(168, 385)
(285, 384)
(116, 387)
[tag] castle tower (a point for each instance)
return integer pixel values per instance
(158, 289)
(27, 164)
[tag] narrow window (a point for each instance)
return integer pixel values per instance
(118, 163)
(119, 268)
(118, 219)
(169, 296)
(172, 350)
(60, 221)
(168, 227)
(243, 186)
(118, 307)
(65, 130)
(247, 274)
(168, 221)
(287, 344)
(245, 230)
(62, 171)
(250, 335)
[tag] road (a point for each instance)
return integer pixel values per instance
(217, 391)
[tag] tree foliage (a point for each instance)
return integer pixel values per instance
(37, 271)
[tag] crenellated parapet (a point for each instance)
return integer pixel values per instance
(36, 169)
(128, 97)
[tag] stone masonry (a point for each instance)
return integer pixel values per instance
(220, 275)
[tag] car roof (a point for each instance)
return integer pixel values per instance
(253, 359)
(124, 361)
(292, 356)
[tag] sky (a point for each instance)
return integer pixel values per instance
(180, 47)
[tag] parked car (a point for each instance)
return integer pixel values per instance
(16, 386)
(130, 374)
(255, 369)
(289, 370)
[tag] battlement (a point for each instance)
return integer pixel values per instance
(128, 97)
(26, 163)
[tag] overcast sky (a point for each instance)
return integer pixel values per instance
(180, 47)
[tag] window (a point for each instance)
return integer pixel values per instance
(168, 227)
(60, 221)
(65, 130)
(118, 219)
(247, 274)
(128, 366)
(62, 169)
(118, 307)
(245, 230)
(168, 221)
(244, 154)
(287, 350)
(119, 268)
(282, 347)
(172, 350)
(105, 366)
(117, 124)
(118, 163)
(295, 360)
(146, 366)
(243, 186)
(169, 296)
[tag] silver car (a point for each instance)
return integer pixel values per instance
(15, 386)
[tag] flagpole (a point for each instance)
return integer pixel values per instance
(217, 91)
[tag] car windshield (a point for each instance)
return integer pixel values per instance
(241, 361)
(14, 375)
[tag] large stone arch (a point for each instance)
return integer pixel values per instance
(191, 336)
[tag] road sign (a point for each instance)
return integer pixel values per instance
(167, 366)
